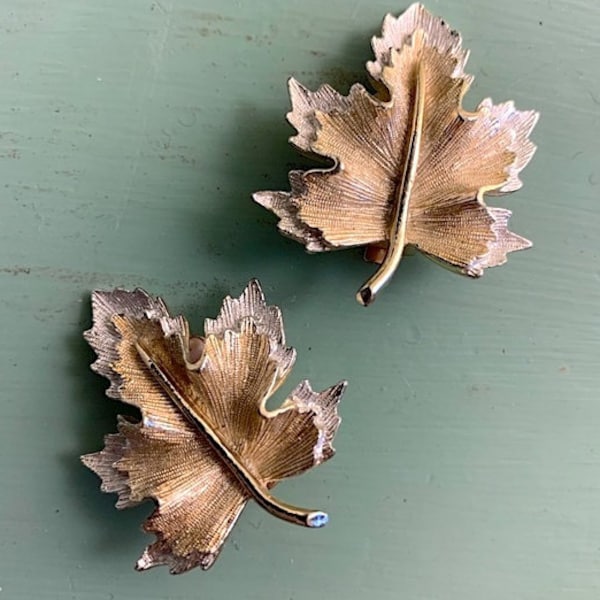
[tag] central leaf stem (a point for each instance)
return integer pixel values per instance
(282, 510)
(397, 241)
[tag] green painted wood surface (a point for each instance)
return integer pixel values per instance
(132, 134)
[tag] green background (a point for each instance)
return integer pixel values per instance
(132, 134)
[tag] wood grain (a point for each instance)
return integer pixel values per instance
(132, 136)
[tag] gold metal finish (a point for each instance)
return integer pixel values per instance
(279, 509)
(393, 256)
(206, 443)
(411, 166)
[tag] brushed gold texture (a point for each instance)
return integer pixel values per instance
(411, 167)
(206, 442)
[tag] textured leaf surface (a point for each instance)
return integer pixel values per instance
(243, 359)
(461, 156)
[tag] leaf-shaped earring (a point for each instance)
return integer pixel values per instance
(411, 166)
(206, 443)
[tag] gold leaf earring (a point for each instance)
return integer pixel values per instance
(411, 166)
(206, 443)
